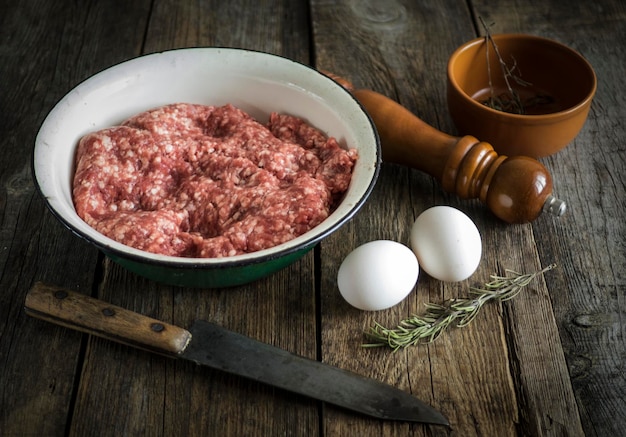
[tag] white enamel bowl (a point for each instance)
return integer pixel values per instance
(259, 83)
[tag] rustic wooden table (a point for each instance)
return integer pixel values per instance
(549, 362)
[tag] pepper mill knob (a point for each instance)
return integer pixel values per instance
(516, 189)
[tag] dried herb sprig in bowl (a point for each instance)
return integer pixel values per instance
(458, 312)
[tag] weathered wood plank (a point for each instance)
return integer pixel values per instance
(41, 60)
(167, 397)
(499, 376)
(156, 396)
(587, 291)
(468, 374)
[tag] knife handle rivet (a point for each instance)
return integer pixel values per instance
(108, 312)
(60, 294)
(157, 327)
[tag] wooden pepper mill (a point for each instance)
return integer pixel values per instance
(516, 189)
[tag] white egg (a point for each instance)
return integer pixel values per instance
(447, 243)
(377, 275)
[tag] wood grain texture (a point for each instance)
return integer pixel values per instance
(509, 358)
(41, 59)
(550, 362)
(77, 311)
(437, 372)
(189, 400)
(589, 243)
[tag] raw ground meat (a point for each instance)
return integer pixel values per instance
(204, 181)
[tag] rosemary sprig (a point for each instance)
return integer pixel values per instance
(427, 327)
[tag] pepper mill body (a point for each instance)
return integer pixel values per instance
(516, 189)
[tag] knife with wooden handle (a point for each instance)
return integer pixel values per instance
(213, 346)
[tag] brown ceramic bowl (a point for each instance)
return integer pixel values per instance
(560, 85)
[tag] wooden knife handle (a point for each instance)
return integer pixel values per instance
(84, 313)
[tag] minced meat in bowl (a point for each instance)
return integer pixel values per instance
(208, 182)
(258, 85)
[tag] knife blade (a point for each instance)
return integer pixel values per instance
(210, 345)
